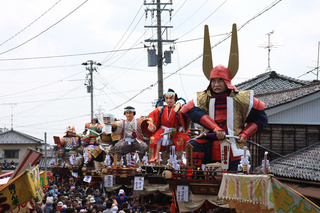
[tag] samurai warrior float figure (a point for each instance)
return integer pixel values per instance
(131, 137)
(91, 138)
(223, 110)
(69, 144)
(165, 126)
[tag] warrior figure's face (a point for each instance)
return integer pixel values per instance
(170, 100)
(218, 86)
(107, 120)
(129, 115)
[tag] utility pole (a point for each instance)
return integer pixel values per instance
(160, 71)
(45, 152)
(89, 66)
(157, 60)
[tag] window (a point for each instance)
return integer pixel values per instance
(11, 153)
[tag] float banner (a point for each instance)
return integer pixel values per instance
(262, 193)
(285, 199)
(43, 179)
(20, 190)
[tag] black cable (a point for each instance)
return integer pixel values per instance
(30, 24)
(44, 30)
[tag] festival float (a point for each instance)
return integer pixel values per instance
(179, 174)
(91, 160)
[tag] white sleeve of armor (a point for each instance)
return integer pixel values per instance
(195, 100)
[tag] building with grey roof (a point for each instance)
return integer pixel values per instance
(14, 144)
(293, 113)
(271, 82)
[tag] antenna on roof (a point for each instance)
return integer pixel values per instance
(269, 47)
(11, 105)
(315, 68)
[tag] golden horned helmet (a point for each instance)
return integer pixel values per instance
(233, 57)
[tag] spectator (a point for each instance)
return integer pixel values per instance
(135, 207)
(142, 209)
(108, 207)
(59, 206)
(121, 198)
(49, 203)
(113, 197)
(12, 165)
(64, 209)
(75, 204)
(100, 205)
(92, 200)
(115, 208)
(147, 206)
(5, 164)
(96, 195)
(54, 209)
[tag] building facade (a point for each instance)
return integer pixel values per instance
(13, 146)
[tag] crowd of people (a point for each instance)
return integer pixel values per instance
(7, 165)
(60, 198)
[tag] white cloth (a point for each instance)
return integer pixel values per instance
(166, 138)
(129, 140)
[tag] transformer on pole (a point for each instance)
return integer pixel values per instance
(153, 58)
(89, 66)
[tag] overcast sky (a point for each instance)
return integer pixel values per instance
(44, 43)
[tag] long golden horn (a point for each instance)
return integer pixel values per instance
(207, 56)
(233, 65)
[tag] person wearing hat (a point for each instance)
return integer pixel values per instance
(131, 137)
(166, 126)
(59, 206)
(223, 110)
(121, 198)
(64, 208)
(92, 200)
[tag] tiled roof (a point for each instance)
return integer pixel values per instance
(302, 165)
(21, 138)
(273, 99)
(270, 82)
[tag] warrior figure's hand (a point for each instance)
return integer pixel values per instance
(151, 126)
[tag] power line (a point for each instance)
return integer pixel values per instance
(316, 69)
(38, 87)
(185, 21)
(93, 53)
(55, 99)
(69, 55)
(30, 23)
(260, 13)
(34, 68)
(195, 59)
(51, 122)
(44, 30)
(104, 60)
(205, 18)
